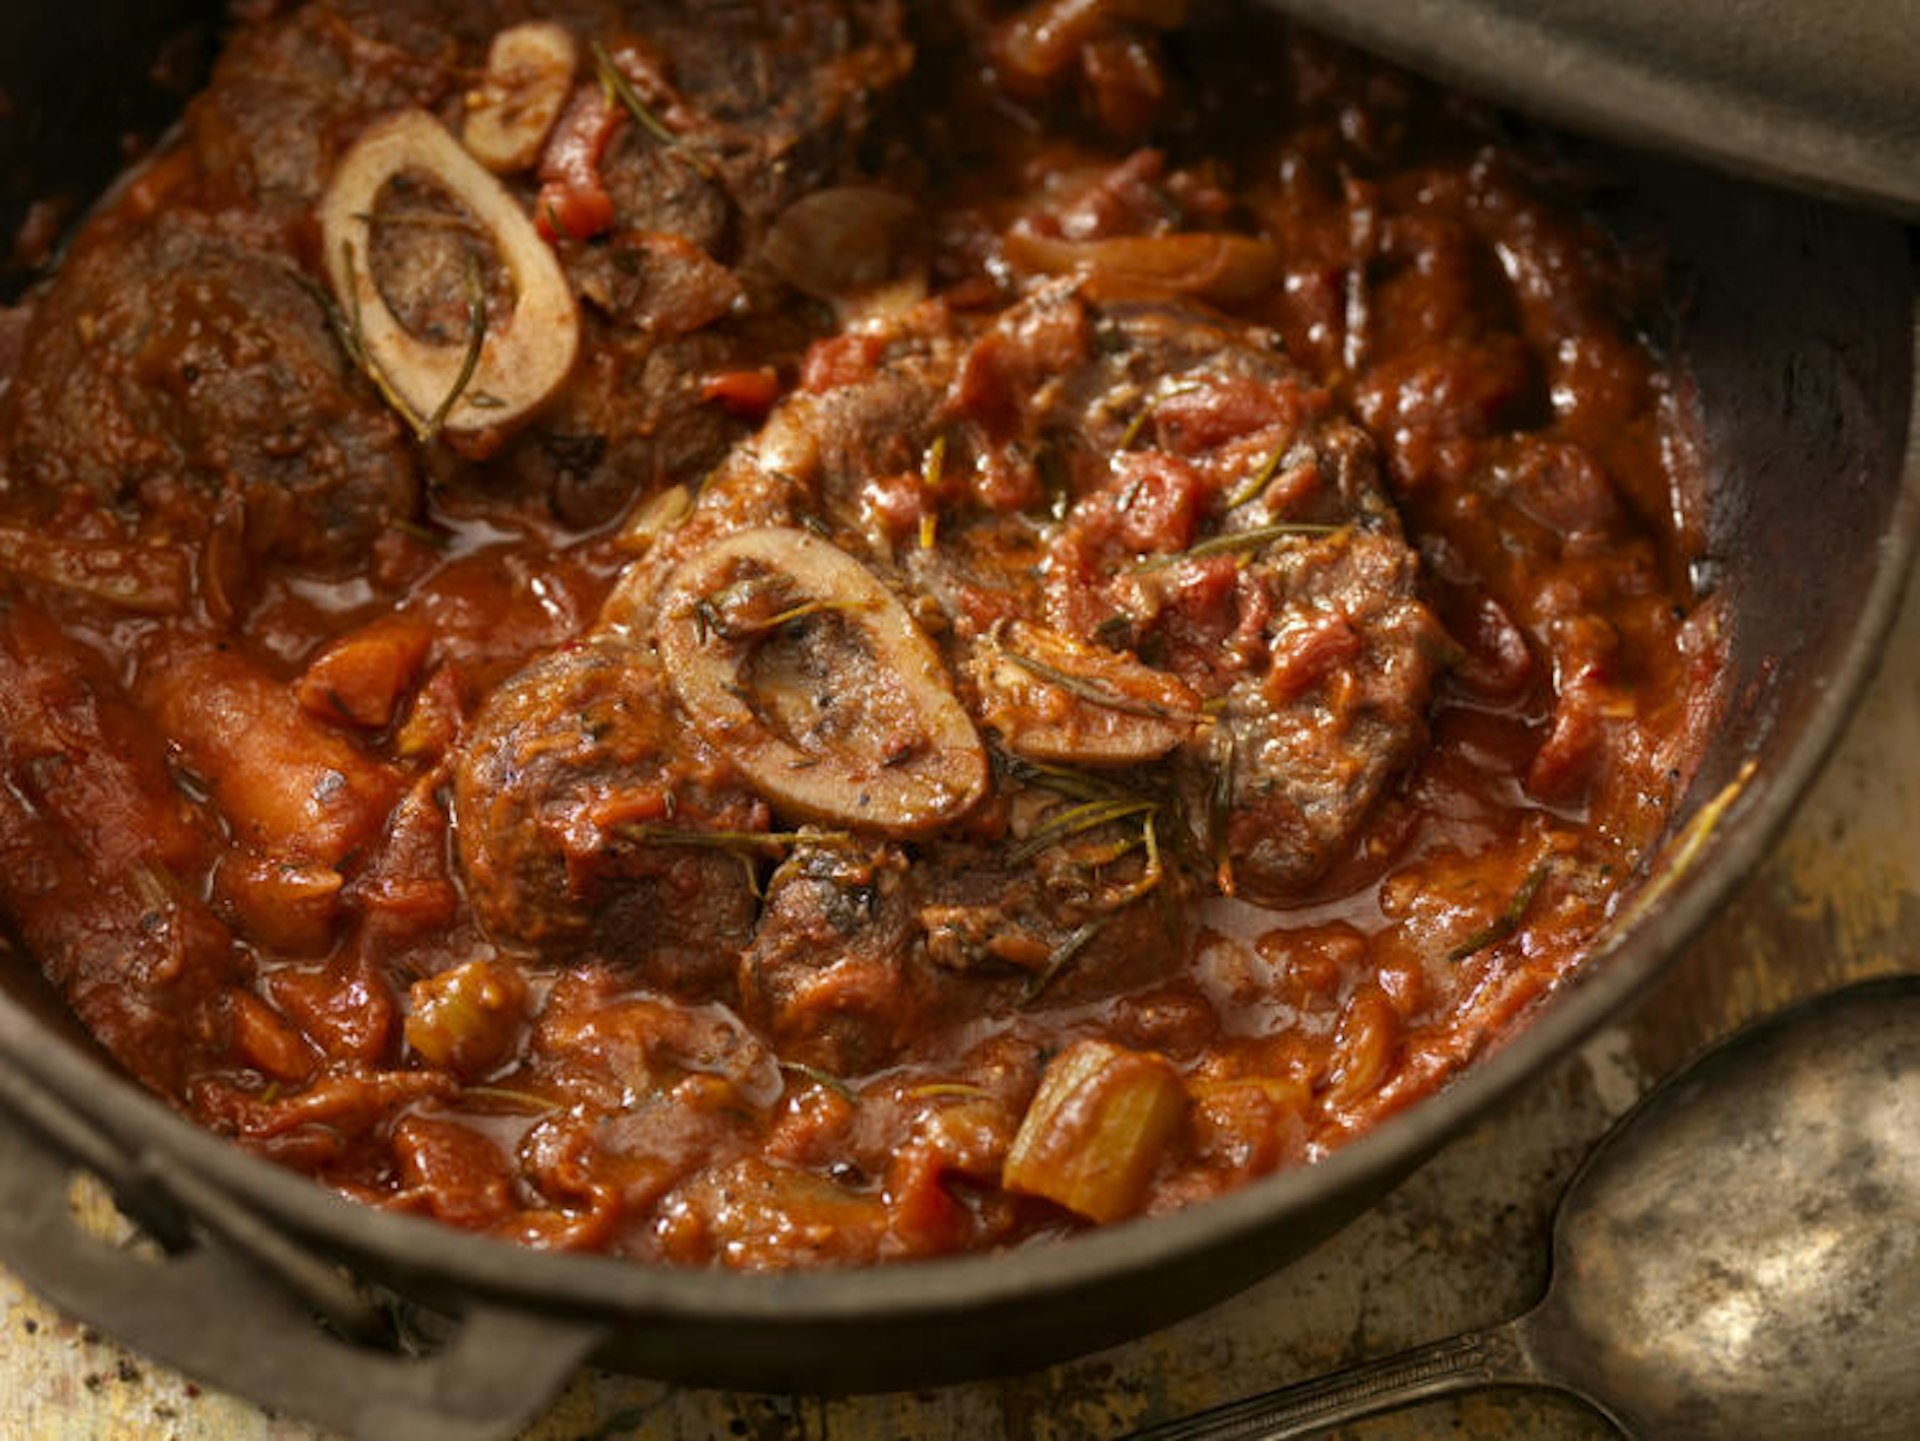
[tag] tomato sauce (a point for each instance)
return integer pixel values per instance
(1104, 606)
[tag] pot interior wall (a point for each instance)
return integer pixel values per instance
(83, 88)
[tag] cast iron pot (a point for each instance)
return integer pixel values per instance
(1796, 322)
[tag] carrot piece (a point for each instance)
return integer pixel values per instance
(289, 786)
(362, 678)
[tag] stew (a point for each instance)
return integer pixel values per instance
(800, 634)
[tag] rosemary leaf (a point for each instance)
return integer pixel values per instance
(768, 843)
(425, 534)
(418, 219)
(1066, 781)
(943, 1090)
(1145, 413)
(1152, 872)
(353, 339)
(476, 342)
(1093, 692)
(1063, 956)
(619, 88)
(519, 1100)
(1077, 820)
(369, 363)
(1238, 540)
(713, 621)
(1257, 482)
(820, 1078)
(1508, 921)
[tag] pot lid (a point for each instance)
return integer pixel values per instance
(1823, 98)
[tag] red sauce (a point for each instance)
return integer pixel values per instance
(1265, 444)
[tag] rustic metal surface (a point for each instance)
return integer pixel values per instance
(1463, 1244)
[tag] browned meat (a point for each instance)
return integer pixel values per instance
(288, 96)
(832, 975)
(1155, 503)
(861, 953)
(571, 774)
(1301, 751)
(766, 100)
(772, 99)
(190, 378)
(657, 224)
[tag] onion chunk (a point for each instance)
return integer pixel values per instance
(860, 249)
(795, 662)
(1215, 266)
(460, 385)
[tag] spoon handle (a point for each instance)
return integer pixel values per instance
(1466, 1362)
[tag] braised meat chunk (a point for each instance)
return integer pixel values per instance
(1145, 533)
(191, 381)
(674, 136)
(574, 802)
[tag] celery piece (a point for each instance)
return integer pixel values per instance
(1096, 1129)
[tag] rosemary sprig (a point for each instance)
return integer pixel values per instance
(476, 342)
(1093, 692)
(1105, 804)
(1077, 820)
(353, 339)
(1063, 956)
(751, 843)
(618, 88)
(1257, 482)
(1236, 541)
(1508, 921)
(820, 1078)
(1145, 413)
(1065, 780)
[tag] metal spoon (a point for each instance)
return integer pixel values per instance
(1739, 1257)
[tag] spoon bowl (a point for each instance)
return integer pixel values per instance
(1740, 1256)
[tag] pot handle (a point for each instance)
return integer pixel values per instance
(208, 1306)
